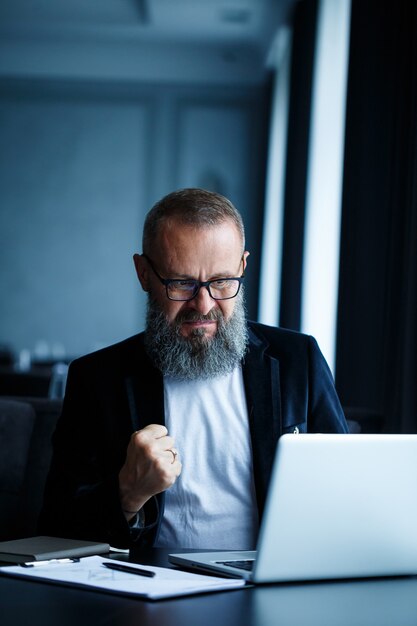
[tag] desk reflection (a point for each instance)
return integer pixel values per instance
(384, 602)
(231, 608)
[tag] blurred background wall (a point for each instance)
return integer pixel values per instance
(104, 108)
(302, 112)
(81, 164)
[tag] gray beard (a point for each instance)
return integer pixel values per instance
(197, 356)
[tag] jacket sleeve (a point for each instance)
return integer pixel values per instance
(81, 498)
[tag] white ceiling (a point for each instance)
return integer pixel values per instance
(238, 31)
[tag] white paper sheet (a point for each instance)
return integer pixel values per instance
(89, 572)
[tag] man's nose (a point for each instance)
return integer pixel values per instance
(203, 302)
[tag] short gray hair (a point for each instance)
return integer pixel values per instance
(192, 206)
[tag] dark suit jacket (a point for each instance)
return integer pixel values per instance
(115, 391)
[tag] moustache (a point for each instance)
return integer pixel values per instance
(215, 315)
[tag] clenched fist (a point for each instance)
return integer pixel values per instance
(151, 466)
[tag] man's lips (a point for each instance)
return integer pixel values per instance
(197, 323)
(190, 321)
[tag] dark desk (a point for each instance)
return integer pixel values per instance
(390, 602)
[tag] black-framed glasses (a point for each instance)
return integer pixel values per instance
(184, 289)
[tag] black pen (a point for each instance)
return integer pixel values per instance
(129, 570)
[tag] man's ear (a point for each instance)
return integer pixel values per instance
(244, 259)
(142, 270)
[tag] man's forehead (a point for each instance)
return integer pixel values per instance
(173, 230)
(196, 251)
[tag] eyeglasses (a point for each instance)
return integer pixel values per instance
(184, 289)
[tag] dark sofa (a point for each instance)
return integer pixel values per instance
(26, 427)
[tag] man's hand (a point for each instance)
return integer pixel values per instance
(151, 466)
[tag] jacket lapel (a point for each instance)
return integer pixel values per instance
(145, 393)
(261, 377)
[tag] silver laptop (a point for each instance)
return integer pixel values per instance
(338, 506)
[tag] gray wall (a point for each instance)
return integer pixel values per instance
(80, 165)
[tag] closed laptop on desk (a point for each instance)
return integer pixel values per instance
(338, 506)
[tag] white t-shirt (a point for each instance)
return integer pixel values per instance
(213, 502)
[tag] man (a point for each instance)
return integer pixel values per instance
(168, 437)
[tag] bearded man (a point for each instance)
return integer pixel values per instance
(167, 439)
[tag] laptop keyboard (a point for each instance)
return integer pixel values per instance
(246, 565)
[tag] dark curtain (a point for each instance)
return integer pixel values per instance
(376, 365)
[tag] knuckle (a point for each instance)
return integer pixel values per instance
(153, 431)
(158, 430)
(160, 466)
(139, 436)
(147, 449)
